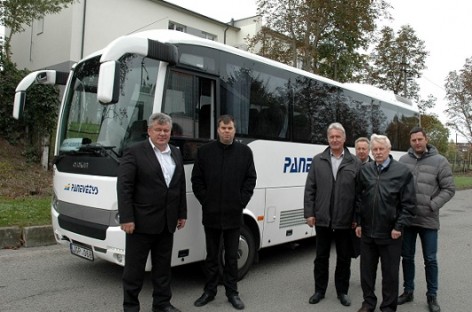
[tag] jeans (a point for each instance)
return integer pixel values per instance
(429, 244)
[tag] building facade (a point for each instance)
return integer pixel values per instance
(57, 41)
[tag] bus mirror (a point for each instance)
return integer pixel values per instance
(108, 82)
(163, 51)
(46, 77)
(19, 104)
(49, 77)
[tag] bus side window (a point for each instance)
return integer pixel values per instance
(271, 122)
(253, 117)
(301, 128)
(204, 119)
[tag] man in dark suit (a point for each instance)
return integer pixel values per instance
(151, 204)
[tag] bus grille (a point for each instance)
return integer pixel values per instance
(94, 230)
(291, 218)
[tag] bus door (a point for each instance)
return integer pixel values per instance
(206, 108)
(190, 100)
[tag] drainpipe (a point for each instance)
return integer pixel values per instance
(226, 29)
(83, 30)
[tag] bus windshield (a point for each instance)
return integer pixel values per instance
(87, 124)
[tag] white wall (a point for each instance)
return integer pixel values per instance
(35, 50)
(62, 42)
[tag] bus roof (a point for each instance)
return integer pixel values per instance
(178, 37)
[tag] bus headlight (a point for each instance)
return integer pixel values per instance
(54, 201)
(117, 218)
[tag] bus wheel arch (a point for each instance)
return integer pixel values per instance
(248, 247)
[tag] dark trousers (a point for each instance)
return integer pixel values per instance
(138, 247)
(230, 240)
(324, 239)
(388, 251)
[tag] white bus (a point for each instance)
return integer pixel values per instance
(281, 113)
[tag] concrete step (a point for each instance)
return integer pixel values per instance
(13, 237)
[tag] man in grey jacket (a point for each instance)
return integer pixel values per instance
(434, 187)
(329, 206)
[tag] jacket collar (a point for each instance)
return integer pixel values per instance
(224, 146)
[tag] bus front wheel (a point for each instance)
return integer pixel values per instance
(246, 252)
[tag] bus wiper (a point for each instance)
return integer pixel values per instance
(99, 150)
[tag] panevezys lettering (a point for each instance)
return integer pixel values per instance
(81, 188)
(297, 164)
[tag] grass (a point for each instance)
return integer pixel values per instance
(463, 182)
(35, 210)
(25, 211)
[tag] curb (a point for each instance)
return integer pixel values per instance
(15, 237)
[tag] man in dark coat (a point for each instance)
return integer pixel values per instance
(223, 180)
(152, 204)
(385, 204)
(329, 203)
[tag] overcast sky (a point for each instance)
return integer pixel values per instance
(444, 26)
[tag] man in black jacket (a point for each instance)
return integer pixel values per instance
(152, 204)
(329, 203)
(385, 200)
(223, 180)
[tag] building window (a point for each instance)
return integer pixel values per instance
(208, 36)
(39, 26)
(178, 27)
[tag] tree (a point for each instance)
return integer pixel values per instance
(459, 96)
(437, 133)
(425, 105)
(397, 60)
(323, 35)
(15, 15)
(40, 113)
(10, 129)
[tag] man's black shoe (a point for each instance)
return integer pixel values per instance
(344, 299)
(317, 296)
(236, 302)
(407, 296)
(168, 308)
(364, 309)
(204, 299)
(433, 304)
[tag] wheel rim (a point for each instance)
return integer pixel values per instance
(243, 252)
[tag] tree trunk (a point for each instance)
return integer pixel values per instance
(45, 152)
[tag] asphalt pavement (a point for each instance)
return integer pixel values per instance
(49, 278)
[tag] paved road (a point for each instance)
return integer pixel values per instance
(50, 279)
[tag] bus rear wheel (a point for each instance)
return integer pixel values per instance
(246, 253)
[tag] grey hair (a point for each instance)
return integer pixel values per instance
(160, 118)
(336, 126)
(362, 139)
(381, 139)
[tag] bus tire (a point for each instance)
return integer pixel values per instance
(246, 253)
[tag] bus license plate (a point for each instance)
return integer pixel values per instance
(81, 251)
